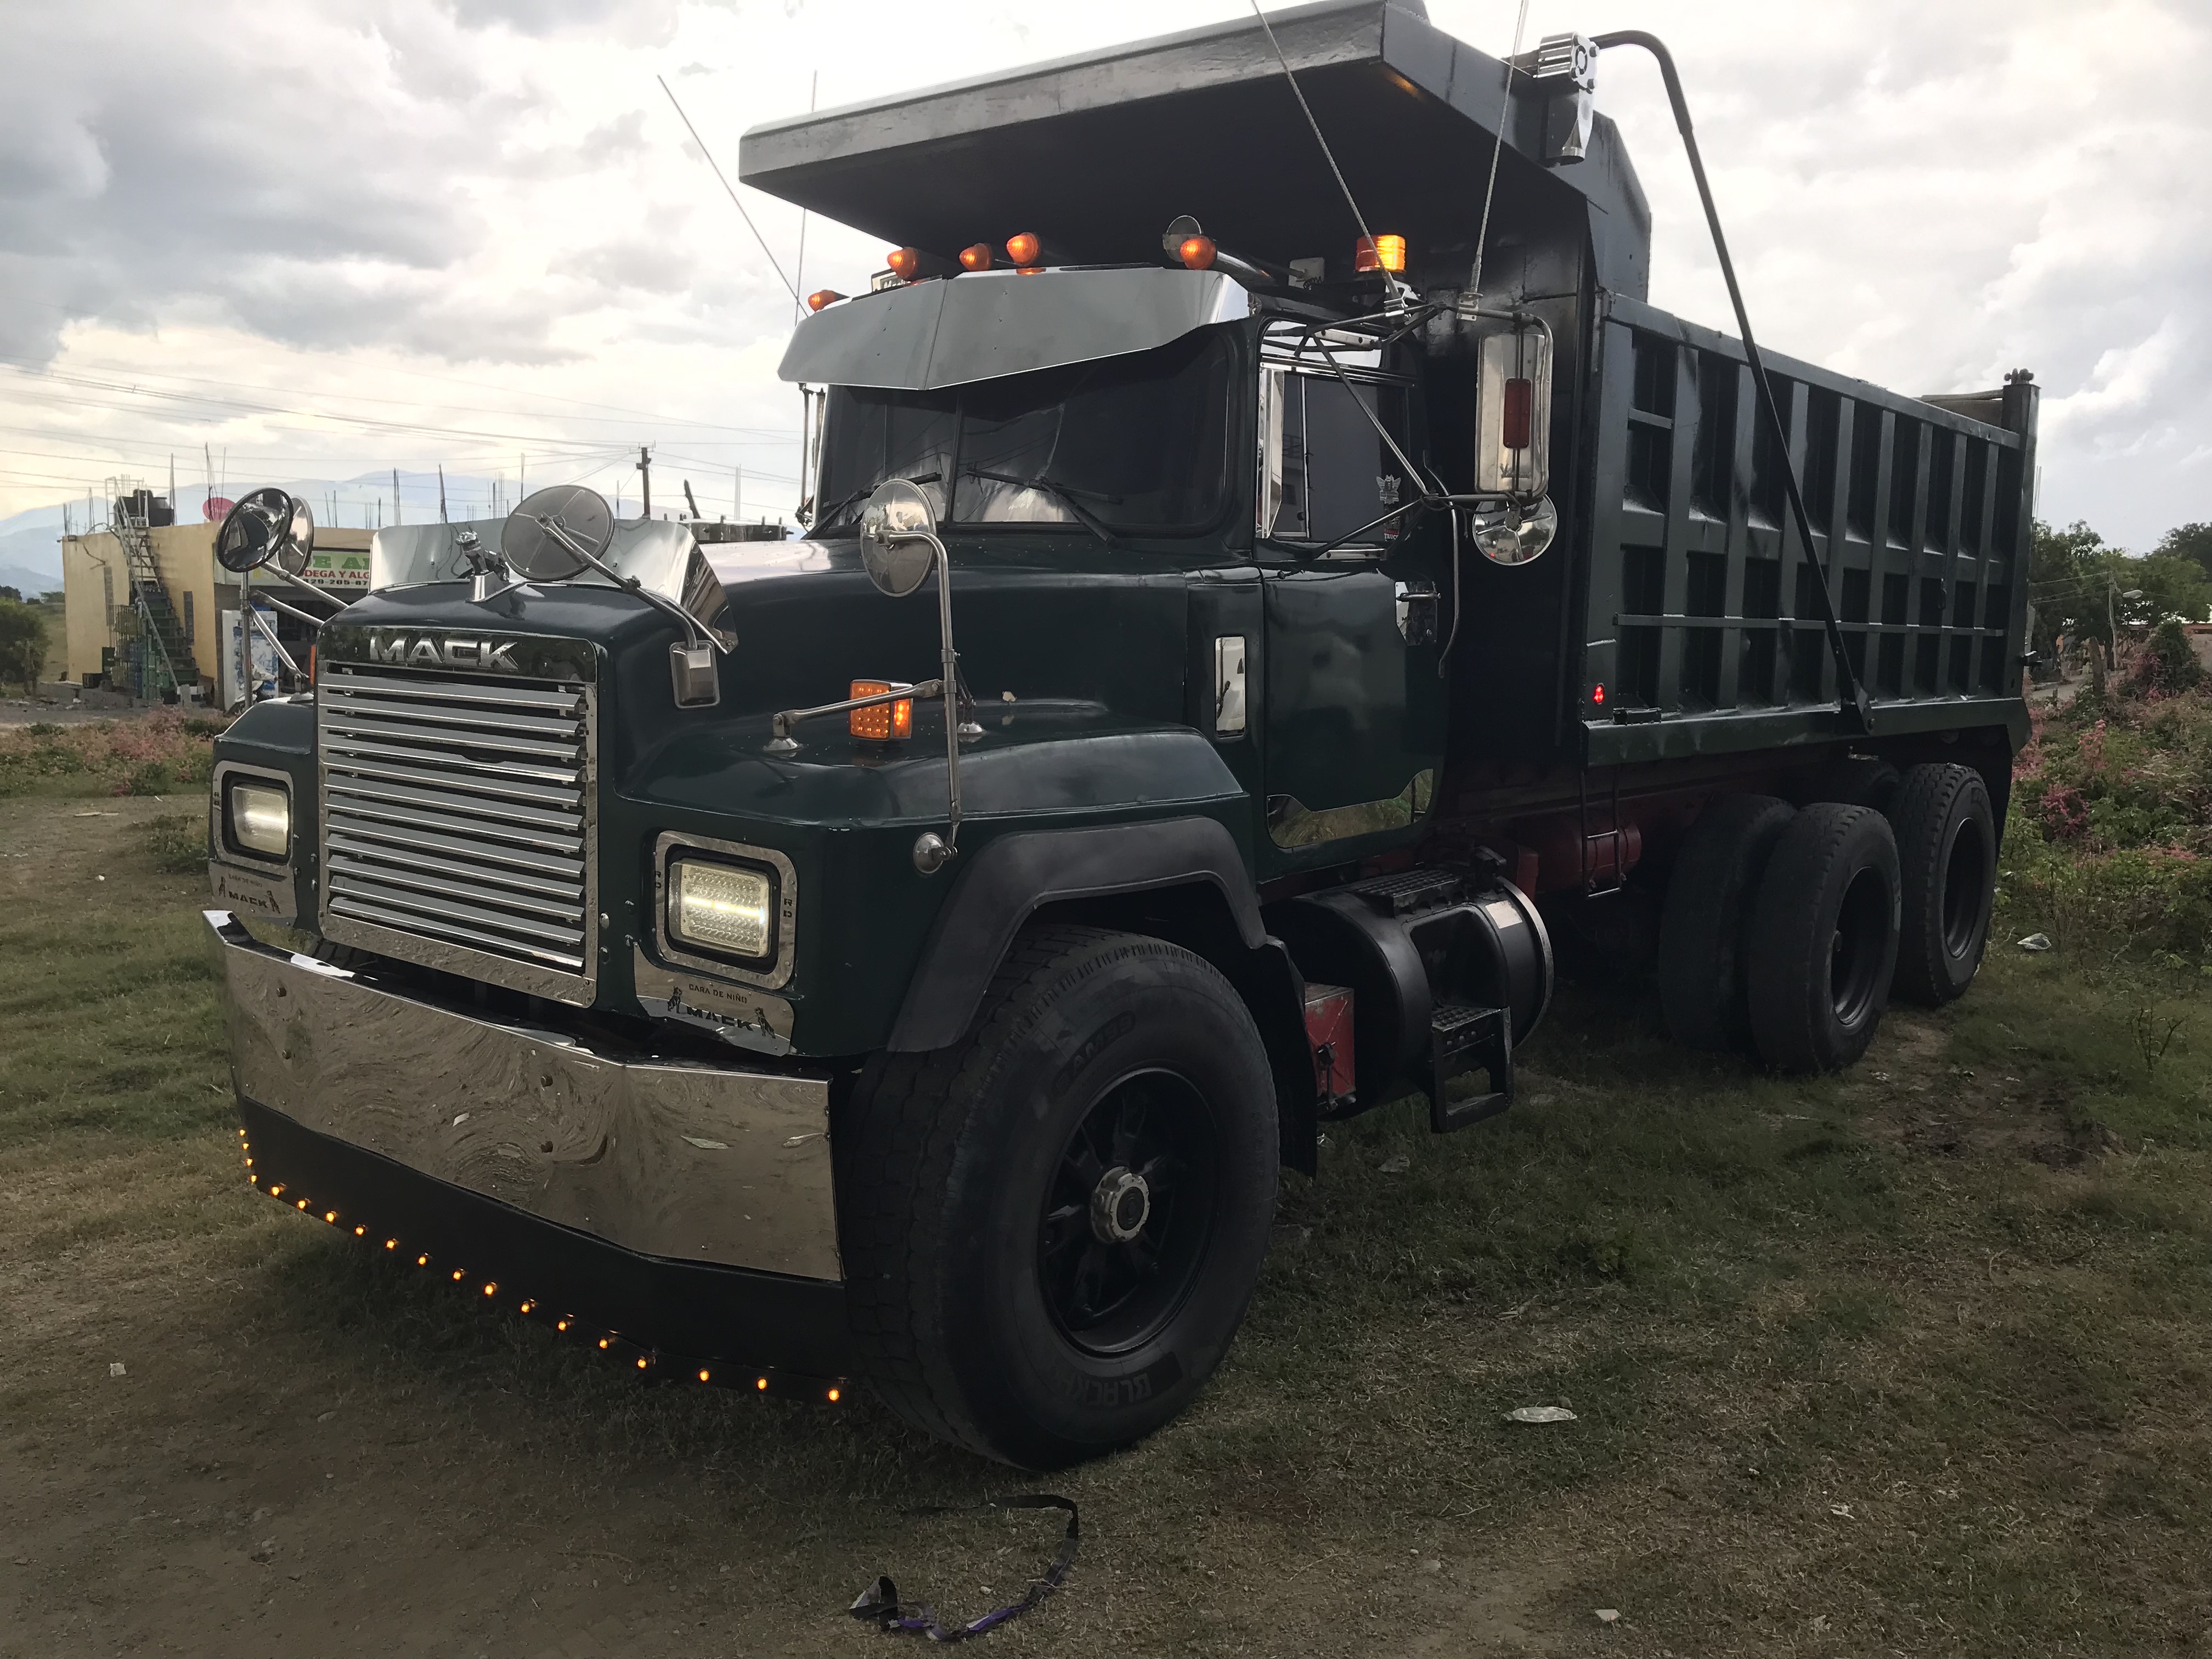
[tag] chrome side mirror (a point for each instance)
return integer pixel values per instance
(898, 548)
(898, 532)
(266, 527)
(1517, 533)
(555, 534)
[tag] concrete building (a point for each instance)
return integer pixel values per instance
(100, 618)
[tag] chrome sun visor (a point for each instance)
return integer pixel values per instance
(951, 331)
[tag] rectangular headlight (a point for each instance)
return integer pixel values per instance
(720, 907)
(260, 819)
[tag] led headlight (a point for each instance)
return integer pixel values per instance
(260, 819)
(721, 907)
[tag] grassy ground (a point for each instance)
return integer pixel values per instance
(1914, 1359)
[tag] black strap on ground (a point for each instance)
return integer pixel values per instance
(879, 1603)
(1850, 694)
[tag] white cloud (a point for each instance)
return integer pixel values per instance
(359, 207)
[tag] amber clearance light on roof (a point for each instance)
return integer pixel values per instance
(976, 258)
(1197, 252)
(907, 261)
(821, 297)
(1024, 250)
(1379, 253)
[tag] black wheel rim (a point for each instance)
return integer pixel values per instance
(1129, 1213)
(1854, 956)
(1965, 874)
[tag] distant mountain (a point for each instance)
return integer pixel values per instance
(27, 582)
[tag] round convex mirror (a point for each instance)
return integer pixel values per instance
(533, 539)
(1519, 534)
(893, 526)
(297, 545)
(254, 529)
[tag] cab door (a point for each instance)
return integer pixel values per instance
(1354, 613)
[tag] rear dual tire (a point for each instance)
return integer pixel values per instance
(1822, 942)
(1780, 932)
(1947, 848)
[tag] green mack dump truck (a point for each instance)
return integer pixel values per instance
(1243, 621)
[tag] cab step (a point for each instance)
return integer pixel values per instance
(1463, 1038)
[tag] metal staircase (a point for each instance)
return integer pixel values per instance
(164, 655)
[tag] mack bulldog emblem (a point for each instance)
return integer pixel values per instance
(427, 651)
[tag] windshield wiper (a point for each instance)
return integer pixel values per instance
(821, 519)
(1067, 497)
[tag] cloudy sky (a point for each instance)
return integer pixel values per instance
(317, 239)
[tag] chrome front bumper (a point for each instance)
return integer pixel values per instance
(687, 1164)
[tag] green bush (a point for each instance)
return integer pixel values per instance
(178, 841)
(2109, 842)
(2167, 665)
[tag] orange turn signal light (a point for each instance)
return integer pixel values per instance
(1023, 249)
(880, 721)
(978, 257)
(1379, 253)
(1197, 252)
(821, 297)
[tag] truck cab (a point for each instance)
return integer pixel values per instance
(1237, 624)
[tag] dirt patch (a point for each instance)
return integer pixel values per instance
(1910, 1096)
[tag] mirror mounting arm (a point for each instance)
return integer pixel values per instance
(692, 678)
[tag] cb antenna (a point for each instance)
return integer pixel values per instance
(1391, 286)
(1497, 149)
(792, 287)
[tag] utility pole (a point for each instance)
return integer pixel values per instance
(738, 499)
(645, 467)
(690, 500)
(442, 518)
(397, 517)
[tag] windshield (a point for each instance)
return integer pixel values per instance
(1136, 443)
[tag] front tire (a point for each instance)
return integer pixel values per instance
(1052, 1229)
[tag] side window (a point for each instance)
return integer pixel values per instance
(1326, 472)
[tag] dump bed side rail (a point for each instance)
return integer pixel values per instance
(1702, 620)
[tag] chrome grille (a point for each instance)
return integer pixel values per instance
(457, 822)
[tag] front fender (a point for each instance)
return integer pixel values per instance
(1015, 875)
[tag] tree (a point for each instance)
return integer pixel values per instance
(22, 644)
(2190, 541)
(2062, 583)
(2079, 585)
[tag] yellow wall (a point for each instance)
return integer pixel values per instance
(185, 555)
(85, 621)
